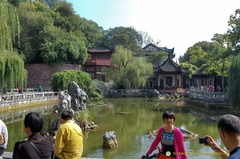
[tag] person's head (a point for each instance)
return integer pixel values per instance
(67, 115)
(34, 122)
(168, 116)
(229, 128)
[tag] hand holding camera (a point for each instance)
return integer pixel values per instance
(203, 140)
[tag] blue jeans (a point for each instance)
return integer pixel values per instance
(56, 157)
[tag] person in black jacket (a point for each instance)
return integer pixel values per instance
(33, 124)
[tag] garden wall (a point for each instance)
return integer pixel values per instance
(42, 73)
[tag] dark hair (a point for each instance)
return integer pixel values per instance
(168, 114)
(34, 121)
(229, 124)
(67, 115)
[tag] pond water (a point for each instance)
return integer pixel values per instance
(131, 129)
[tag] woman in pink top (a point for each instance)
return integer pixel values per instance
(171, 139)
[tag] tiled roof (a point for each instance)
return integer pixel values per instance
(101, 48)
(170, 51)
(171, 67)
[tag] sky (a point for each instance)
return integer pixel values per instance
(178, 24)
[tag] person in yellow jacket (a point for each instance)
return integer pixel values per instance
(69, 138)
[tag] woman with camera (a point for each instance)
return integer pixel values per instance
(171, 139)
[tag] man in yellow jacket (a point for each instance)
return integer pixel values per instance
(69, 139)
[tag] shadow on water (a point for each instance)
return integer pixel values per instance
(132, 118)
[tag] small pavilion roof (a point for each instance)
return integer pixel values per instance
(169, 66)
(156, 48)
(99, 49)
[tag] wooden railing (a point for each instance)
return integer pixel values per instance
(98, 62)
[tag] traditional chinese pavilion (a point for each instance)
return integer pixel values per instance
(169, 76)
(99, 57)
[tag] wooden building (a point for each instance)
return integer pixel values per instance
(200, 79)
(99, 57)
(169, 76)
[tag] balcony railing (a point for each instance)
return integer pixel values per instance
(98, 62)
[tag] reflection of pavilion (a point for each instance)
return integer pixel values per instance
(169, 76)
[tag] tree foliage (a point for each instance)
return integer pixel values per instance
(128, 37)
(190, 67)
(157, 58)
(61, 81)
(210, 57)
(234, 82)
(127, 71)
(12, 70)
(43, 42)
(147, 39)
(234, 32)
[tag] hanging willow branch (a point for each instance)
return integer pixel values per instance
(234, 82)
(9, 25)
(12, 70)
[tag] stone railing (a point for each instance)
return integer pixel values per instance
(198, 94)
(26, 97)
(130, 92)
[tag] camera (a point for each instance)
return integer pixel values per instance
(203, 140)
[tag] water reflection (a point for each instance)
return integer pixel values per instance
(147, 115)
(131, 129)
(13, 117)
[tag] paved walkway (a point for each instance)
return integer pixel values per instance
(8, 155)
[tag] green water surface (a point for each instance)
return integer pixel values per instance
(142, 116)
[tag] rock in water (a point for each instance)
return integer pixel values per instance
(109, 140)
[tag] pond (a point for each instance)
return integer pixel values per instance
(131, 129)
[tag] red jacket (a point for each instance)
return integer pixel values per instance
(178, 143)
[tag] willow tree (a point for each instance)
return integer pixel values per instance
(128, 71)
(12, 70)
(234, 82)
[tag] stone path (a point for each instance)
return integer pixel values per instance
(8, 155)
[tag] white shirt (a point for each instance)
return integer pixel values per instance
(3, 129)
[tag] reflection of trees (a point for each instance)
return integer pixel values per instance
(127, 127)
(145, 116)
(15, 133)
(130, 129)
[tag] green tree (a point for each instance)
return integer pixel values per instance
(61, 81)
(127, 37)
(17, 2)
(211, 57)
(87, 29)
(127, 71)
(224, 52)
(234, 32)
(234, 81)
(157, 58)
(147, 39)
(43, 42)
(191, 68)
(52, 3)
(65, 9)
(12, 70)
